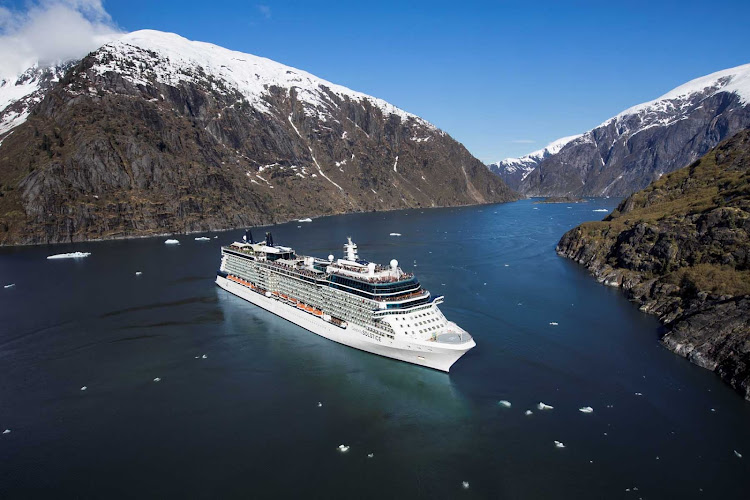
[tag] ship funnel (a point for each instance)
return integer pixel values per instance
(248, 238)
(269, 239)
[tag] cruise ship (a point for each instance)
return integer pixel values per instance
(379, 309)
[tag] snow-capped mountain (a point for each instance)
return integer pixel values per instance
(20, 93)
(639, 145)
(155, 133)
(515, 170)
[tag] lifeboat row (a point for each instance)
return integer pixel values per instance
(242, 282)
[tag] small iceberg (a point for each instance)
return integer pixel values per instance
(558, 444)
(638, 394)
(343, 448)
(737, 453)
(84, 388)
(202, 238)
(157, 379)
(307, 219)
(370, 455)
(320, 405)
(204, 356)
(172, 242)
(73, 255)
(543, 406)
(553, 323)
(7, 431)
(465, 485)
(528, 412)
(215, 237)
(138, 273)
(504, 403)
(586, 409)
(11, 285)
(395, 234)
(600, 210)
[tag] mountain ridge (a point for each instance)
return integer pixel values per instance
(635, 147)
(140, 137)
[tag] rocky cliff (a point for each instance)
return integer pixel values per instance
(680, 249)
(155, 134)
(638, 146)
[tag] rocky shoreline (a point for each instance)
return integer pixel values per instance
(680, 250)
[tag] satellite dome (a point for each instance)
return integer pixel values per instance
(394, 263)
(330, 258)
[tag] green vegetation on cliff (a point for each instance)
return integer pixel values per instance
(681, 249)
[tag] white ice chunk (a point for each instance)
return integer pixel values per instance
(215, 237)
(543, 406)
(465, 485)
(157, 379)
(138, 273)
(11, 285)
(307, 219)
(586, 409)
(343, 448)
(738, 454)
(601, 210)
(73, 255)
(395, 234)
(553, 323)
(84, 388)
(320, 405)
(172, 242)
(204, 356)
(504, 403)
(559, 444)
(202, 238)
(7, 431)
(638, 394)
(370, 455)
(528, 412)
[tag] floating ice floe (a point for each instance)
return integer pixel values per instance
(558, 444)
(370, 455)
(738, 454)
(543, 406)
(7, 431)
(138, 273)
(504, 403)
(72, 255)
(215, 237)
(84, 388)
(601, 210)
(553, 323)
(586, 409)
(343, 448)
(395, 234)
(202, 238)
(11, 285)
(157, 379)
(465, 485)
(528, 412)
(172, 242)
(307, 219)
(320, 405)
(507, 265)
(204, 356)
(638, 394)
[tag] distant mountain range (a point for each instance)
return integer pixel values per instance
(639, 145)
(153, 133)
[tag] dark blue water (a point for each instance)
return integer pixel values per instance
(245, 422)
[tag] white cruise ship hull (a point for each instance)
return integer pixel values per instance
(429, 354)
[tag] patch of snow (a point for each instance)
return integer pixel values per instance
(307, 219)
(586, 409)
(558, 444)
(172, 242)
(542, 406)
(10, 285)
(395, 164)
(504, 403)
(600, 210)
(202, 238)
(395, 234)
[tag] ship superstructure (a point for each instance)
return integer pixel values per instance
(375, 308)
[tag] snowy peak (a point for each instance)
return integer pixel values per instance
(171, 59)
(19, 93)
(515, 170)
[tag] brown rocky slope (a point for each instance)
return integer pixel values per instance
(681, 250)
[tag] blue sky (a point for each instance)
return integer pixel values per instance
(504, 78)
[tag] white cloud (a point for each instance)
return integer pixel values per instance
(265, 10)
(50, 31)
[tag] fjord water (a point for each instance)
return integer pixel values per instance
(245, 421)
